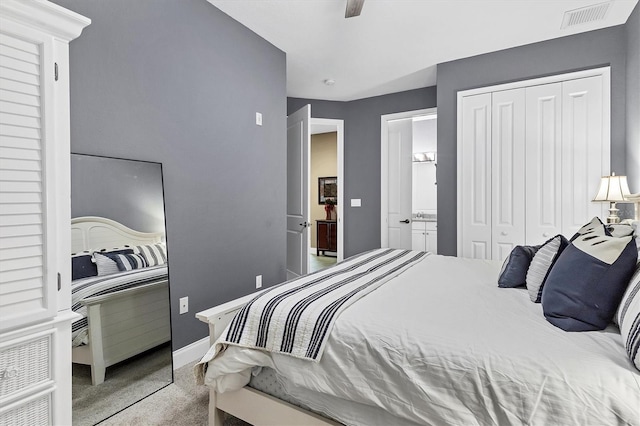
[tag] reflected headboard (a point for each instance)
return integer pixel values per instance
(93, 232)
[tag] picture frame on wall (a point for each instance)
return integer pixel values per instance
(327, 189)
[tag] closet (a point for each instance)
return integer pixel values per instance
(530, 158)
(35, 230)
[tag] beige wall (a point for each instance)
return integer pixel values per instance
(324, 162)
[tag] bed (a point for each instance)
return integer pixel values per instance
(437, 343)
(123, 314)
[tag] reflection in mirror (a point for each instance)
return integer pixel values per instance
(121, 343)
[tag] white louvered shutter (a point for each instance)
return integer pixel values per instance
(27, 274)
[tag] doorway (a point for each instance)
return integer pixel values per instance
(408, 180)
(299, 130)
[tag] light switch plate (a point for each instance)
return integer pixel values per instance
(258, 119)
(356, 202)
(184, 305)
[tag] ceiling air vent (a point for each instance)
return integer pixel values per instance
(596, 12)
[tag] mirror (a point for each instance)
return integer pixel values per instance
(121, 347)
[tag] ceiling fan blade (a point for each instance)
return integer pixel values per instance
(354, 7)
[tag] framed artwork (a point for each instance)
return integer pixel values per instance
(327, 189)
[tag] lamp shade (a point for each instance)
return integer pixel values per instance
(613, 188)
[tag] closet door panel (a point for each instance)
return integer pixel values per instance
(585, 158)
(476, 176)
(543, 166)
(508, 161)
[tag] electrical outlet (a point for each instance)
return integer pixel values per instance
(184, 305)
(258, 281)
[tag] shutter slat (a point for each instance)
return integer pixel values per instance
(19, 76)
(20, 219)
(20, 93)
(20, 231)
(23, 274)
(21, 285)
(20, 252)
(21, 132)
(21, 264)
(19, 120)
(22, 143)
(11, 299)
(17, 198)
(19, 109)
(21, 187)
(18, 44)
(19, 54)
(10, 243)
(20, 176)
(20, 153)
(33, 208)
(12, 164)
(18, 64)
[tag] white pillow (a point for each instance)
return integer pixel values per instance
(628, 319)
(541, 265)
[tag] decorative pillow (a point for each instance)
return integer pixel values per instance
(594, 227)
(105, 264)
(541, 265)
(619, 230)
(628, 317)
(154, 254)
(82, 266)
(127, 262)
(515, 267)
(588, 281)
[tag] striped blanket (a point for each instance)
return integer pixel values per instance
(296, 317)
(97, 286)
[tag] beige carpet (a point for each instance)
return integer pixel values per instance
(125, 383)
(182, 403)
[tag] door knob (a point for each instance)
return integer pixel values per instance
(304, 225)
(405, 221)
(504, 234)
(545, 235)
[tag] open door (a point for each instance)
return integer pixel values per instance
(399, 181)
(298, 141)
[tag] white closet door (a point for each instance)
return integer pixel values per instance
(585, 156)
(27, 259)
(476, 176)
(543, 162)
(508, 163)
(400, 176)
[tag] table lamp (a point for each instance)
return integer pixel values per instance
(613, 189)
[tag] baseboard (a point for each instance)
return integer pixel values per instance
(190, 353)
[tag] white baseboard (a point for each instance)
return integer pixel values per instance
(190, 353)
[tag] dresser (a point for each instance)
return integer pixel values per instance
(35, 230)
(326, 236)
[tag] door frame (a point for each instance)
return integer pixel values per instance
(339, 128)
(384, 164)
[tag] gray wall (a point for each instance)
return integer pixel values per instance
(176, 82)
(581, 51)
(129, 192)
(633, 100)
(362, 156)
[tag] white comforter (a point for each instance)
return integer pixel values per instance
(442, 344)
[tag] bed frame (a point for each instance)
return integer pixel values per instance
(248, 404)
(127, 322)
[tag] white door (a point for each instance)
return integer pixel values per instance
(475, 177)
(507, 161)
(298, 141)
(400, 173)
(544, 164)
(585, 156)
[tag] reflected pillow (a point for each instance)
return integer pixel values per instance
(154, 254)
(128, 262)
(105, 264)
(588, 281)
(541, 265)
(82, 266)
(515, 267)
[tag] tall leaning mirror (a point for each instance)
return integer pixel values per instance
(121, 341)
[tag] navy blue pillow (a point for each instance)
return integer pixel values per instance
(83, 267)
(515, 267)
(587, 282)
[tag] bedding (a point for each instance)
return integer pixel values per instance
(443, 344)
(99, 285)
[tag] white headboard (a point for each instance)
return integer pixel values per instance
(93, 232)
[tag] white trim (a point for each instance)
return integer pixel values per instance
(192, 352)
(339, 124)
(384, 164)
(45, 16)
(605, 72)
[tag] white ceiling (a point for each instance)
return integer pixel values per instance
(394, 45)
